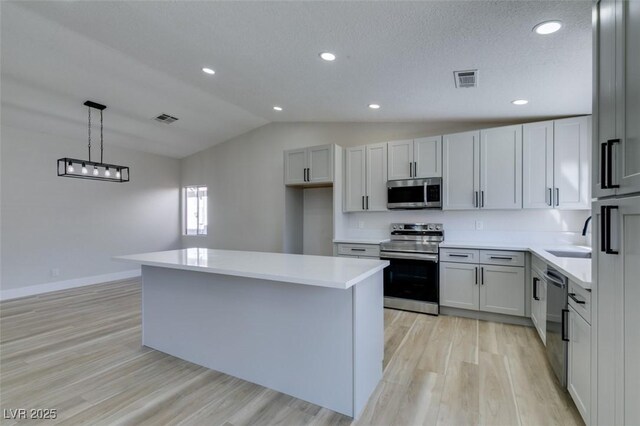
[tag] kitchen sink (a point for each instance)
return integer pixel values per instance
(571, 253)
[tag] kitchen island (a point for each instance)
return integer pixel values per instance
(308, 326)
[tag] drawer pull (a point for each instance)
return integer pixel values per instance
(501, 257)
(358, 249)
(458, 255)
(575, 299)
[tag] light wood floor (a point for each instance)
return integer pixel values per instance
(79, 351)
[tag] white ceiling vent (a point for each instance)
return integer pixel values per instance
(468, 78)
(166, 118)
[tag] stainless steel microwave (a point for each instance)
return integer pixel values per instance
(414, 194)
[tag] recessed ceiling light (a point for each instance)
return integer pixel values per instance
(328, 56)
(208, 71)
(374, 106)
(520, 102)
(277, 108)
(547, 27)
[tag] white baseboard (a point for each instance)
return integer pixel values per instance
(15, 293)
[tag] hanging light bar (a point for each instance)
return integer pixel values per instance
(87, 169)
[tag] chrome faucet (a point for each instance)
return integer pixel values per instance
(586, 224)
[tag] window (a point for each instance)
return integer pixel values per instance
(195, 210)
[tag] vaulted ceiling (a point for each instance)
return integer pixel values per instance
(143, 58)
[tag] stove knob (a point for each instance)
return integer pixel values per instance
(430, 227)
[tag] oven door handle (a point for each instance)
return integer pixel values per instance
(409, 256)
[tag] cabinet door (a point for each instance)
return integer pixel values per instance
(355, 179)
(460, 171)
(572, 155)
(628, 96)
(321, 164)
(376, 169)
(427, 155)
(502, 289)
(459, 285)
(400, 159)
(579, 371)
(604, 90)
(537, 165)
(501, 168)
(295, 162)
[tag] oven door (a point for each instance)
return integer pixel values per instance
(411, 282)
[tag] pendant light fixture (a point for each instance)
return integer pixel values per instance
(87, 169)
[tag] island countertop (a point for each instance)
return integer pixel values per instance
(322, 271)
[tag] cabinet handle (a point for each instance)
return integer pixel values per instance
(410, 169)
(415, 168)
(458, 255)
(603, 166)
(482, 198)
(575, 299)
(475, 201)
(476, 275)
(363, 202)
(358, 249)
(367, 198)
(564, 325)
(557, 197)
(605, 234)
(482, 275)
(535, 288)
(550, 197)
(610, 143)
(501, 257)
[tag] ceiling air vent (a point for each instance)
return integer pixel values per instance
(467, 78)
(166, 118)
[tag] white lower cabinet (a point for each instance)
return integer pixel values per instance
(482, 287)
(579, 374)
(502, 289)
(459, 285)
(539, 304)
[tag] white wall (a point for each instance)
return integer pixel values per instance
(245, 175)
(76, 225)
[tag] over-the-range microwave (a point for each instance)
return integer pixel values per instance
(410, 194)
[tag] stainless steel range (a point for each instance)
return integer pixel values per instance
(411, 281)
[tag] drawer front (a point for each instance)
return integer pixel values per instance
(502, 257)
(580, 300)
(459, 255)
(538, 263)
(368, 250)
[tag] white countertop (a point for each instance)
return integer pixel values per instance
(576, 269)
(360, 240)
(322, 271)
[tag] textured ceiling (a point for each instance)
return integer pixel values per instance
(144, 58)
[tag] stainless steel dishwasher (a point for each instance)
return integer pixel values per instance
(557, 337)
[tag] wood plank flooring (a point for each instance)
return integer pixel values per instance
(78, 351)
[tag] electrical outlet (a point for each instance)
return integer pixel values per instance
(361, 224)
(479, 225)
(55, 272)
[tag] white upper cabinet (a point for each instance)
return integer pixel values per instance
(537, 167)
(415, 158)
(501, 168)
(355, 179)
(556, 162)
(572, 156)
(616, 147)
(427, 157)
(309, 166)
(366, 178)
(400, 159)
(295, 166)
(461, 171)
(376, 181)
(320, 164)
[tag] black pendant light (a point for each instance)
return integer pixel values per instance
(87, 169)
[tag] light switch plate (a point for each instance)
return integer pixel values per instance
(479, 225)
